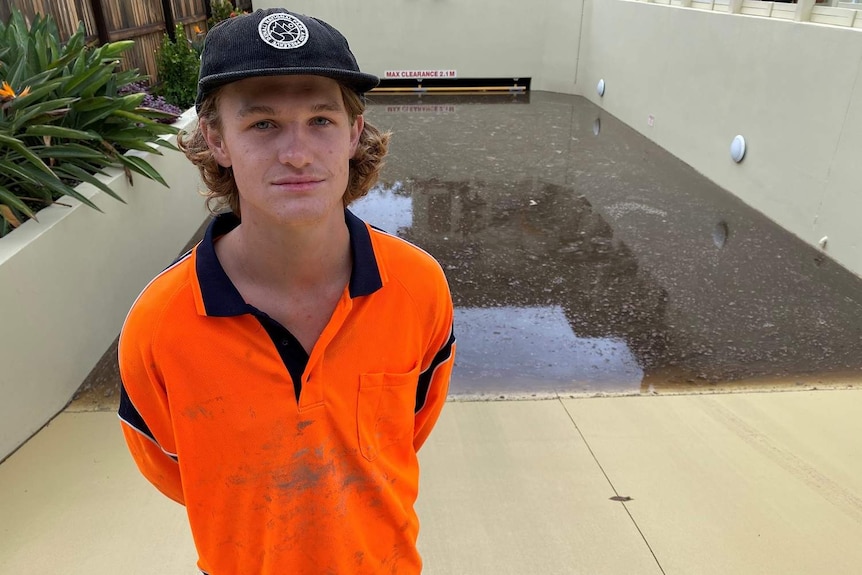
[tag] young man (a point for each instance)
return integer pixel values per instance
(279, 379)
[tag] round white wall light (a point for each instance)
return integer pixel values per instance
(601, 87)
(737, 149)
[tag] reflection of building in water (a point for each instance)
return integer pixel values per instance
(539, 245)
(530, 209)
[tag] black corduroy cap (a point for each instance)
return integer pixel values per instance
(276, 42)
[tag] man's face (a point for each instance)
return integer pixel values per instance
(288, 140)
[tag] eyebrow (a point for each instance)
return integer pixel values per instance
(253, 110)
(328, 106)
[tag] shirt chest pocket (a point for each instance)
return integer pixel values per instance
(385, 411)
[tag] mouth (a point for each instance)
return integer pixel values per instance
(298, 183)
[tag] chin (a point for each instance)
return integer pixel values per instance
(307, 213)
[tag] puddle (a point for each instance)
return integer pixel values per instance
(584, 258)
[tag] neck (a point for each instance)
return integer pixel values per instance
(288, 258)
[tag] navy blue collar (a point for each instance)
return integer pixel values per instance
(221, 297)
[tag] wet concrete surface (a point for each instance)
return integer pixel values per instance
(584, 258)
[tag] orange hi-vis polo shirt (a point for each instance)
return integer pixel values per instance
(272, 484)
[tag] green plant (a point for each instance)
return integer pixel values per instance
(222, 10)
(178, 64)
(62, 120)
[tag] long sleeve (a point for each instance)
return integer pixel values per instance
(144, 410)
(159, 467)
(437, 370)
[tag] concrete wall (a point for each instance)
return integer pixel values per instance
(791, 88)
(67, 282)
(477, 38)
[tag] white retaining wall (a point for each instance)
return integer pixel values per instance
(67, 281)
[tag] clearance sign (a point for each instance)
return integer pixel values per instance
(421, 109)
(420, 74)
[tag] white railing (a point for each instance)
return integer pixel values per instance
(835, 13)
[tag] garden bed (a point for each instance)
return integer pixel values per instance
(68, 279)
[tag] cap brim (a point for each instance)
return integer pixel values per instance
(356, 81)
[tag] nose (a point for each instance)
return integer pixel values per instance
(294, 147)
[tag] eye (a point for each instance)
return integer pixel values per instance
(262, 125)
(320, 121)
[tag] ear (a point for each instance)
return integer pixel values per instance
(216, 145)
(355, 132)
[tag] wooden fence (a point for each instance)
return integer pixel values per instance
(144, 21)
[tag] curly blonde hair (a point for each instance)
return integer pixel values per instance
(221, 190)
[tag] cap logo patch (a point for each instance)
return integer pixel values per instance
(283, 31)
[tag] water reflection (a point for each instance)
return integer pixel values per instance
(389, 208)
(534, 348)
(582, 263)
(545, 299)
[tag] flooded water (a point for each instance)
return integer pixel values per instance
(584, 258)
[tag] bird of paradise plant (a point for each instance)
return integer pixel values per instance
(63, 119)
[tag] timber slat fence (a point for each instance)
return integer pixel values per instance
(144, 21)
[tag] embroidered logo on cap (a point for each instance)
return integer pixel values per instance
(283, 31)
